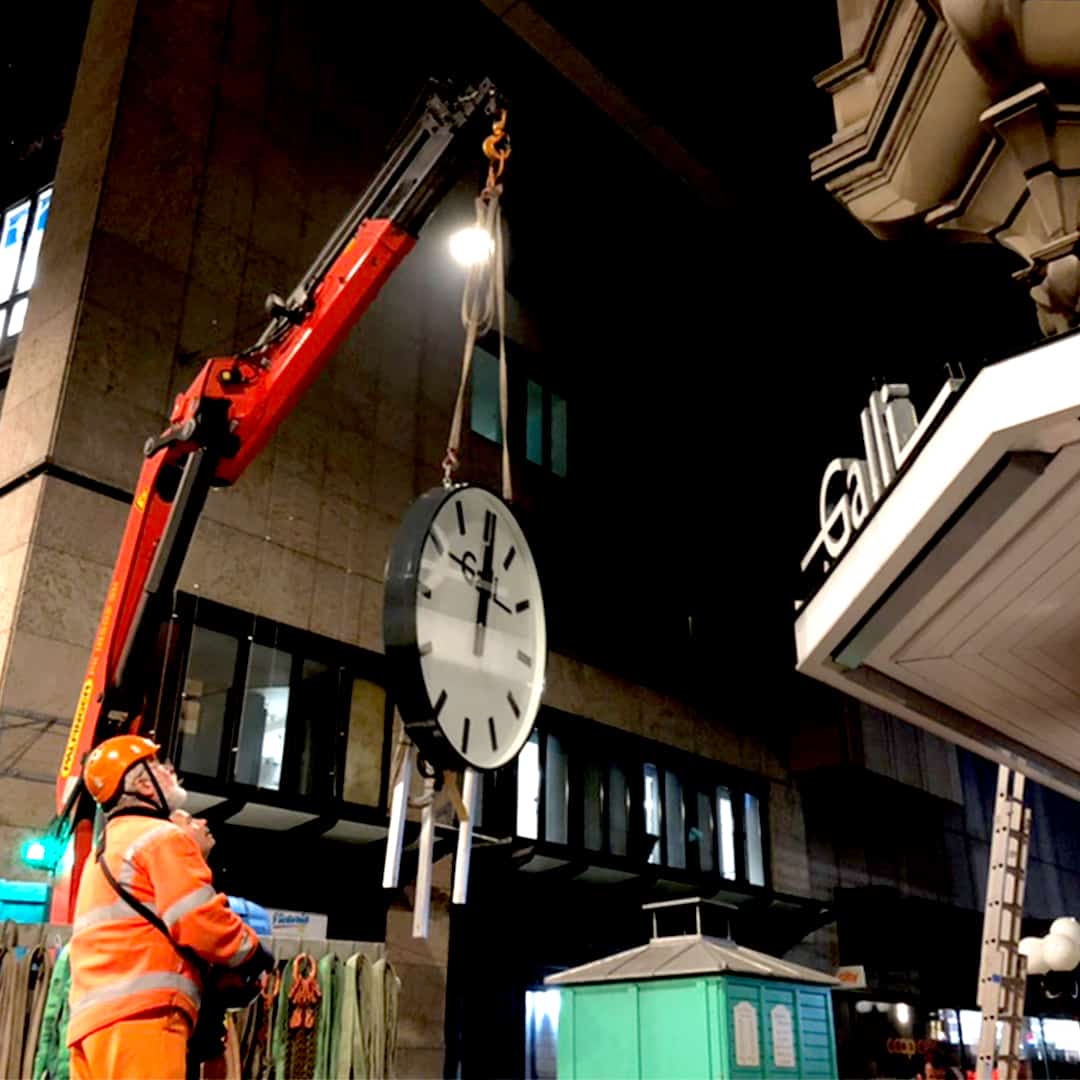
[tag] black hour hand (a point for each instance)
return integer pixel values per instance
(486, 583)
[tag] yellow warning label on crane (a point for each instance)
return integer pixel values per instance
(76, 727)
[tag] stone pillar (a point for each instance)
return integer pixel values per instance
(421, 965)
(964, 121)
(57, 540)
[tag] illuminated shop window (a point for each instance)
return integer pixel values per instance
(653, 809)
(755, 862)
(726, 817)
(618, 799)
(20, 245)
(528, 778)
(246, 700)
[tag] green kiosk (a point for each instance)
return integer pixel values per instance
(687, 1006)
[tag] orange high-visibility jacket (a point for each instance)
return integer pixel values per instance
(121, 965)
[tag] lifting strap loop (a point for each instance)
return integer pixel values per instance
(483, 304)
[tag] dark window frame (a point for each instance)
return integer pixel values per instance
(583, 740)
(9, 343)
(350, 661)
(523, 367)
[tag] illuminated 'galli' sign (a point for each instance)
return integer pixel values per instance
(852, 487)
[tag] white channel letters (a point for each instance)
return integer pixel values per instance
(852, 487)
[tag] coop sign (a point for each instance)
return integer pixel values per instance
(852, 487)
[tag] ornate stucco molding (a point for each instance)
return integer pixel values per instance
(965, 118)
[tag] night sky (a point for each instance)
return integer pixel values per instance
(724, 353)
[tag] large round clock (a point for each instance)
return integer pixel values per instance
(463, 626)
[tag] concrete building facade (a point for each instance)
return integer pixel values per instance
(209, 150)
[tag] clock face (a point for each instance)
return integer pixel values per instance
(464, 623)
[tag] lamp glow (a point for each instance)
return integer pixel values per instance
(42, 852)
(471, 246)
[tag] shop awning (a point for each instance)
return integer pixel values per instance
(956, 605)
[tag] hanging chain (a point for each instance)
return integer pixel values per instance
(483, 302)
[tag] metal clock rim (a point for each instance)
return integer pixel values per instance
(399, 629)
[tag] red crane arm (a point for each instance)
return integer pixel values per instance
(225, 418)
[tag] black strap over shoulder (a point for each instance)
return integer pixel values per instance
(151, 917)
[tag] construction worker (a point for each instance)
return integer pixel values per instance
(148, 924)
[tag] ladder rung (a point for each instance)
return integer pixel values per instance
(1007, 980)
(1015, 834)
(1016, 871)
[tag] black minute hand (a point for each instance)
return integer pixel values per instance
(485, 583)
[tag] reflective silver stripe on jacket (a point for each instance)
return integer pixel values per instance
(194, 899)
(243, 952)
(158, 980)
(117, 911)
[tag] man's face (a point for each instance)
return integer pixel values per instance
(196, 828)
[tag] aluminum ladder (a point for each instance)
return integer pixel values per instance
(1002, 970)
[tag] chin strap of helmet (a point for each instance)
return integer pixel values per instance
(158, 807)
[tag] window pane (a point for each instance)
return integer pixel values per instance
(485, 396)
(555, 791)
(619, 809)
(755, 865)
(534, 423)
(705, 837)
(364, 748)
(15, 222)
(541, 1034)
(1062, 1035)
(653, 813)
(262, 723)
(528, 788)
(558, 435)
(675, 814)
(208, 680)
(593, 823)
(311, 731)
(18, 316)
(33, 245)
(725, 816)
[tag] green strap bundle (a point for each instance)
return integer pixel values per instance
(350, 1062)
(53, 1059)
(328, 1009)
(356, 1029)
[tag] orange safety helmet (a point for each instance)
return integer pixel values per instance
(106, 764)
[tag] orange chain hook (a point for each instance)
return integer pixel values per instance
(495, 153)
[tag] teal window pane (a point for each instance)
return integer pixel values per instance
(534, 424)
(558, 435)
(485, 396)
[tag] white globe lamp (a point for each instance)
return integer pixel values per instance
(1032, 948)
(1061, 952)
(1067, 926)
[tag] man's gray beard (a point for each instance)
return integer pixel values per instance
(176, 798)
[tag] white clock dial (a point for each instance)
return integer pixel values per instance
(478, 616)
